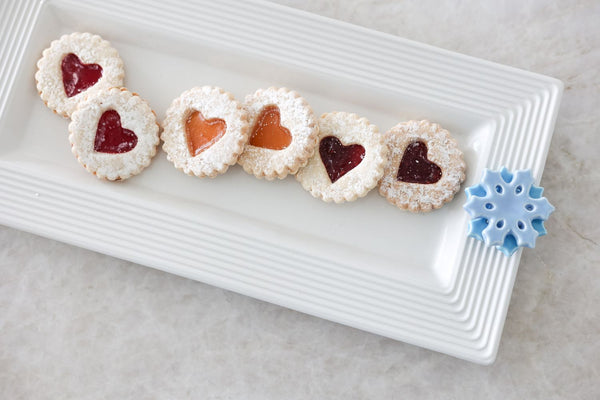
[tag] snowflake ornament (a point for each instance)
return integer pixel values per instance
(507, 210)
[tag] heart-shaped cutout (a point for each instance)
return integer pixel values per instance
(202, 133)
(111, 137)
(339, 159)
(268, 132)
(78, 76)
(416, 168)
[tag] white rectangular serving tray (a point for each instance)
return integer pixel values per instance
(366, 264)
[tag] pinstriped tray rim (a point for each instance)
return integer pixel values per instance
(463, 305)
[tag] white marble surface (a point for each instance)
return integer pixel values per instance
(79, 325)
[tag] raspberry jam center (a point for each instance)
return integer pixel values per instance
(416, 168)
(202, 133)
(78, 76)
(111, 137)
(339, 159)
(268, 132)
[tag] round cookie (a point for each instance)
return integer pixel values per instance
(283, 133)
(349, 161)
(205, 130)
(425, 166)
(114, 134)
(75, 66)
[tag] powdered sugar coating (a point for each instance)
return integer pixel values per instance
(136, 115)
(442, 150)
(91, 49)
(297, 116)
(211, 102)
(349, 129)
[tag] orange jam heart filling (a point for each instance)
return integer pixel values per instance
(268, 132)
(202, 133)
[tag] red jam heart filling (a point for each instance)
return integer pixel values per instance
(111, 137)
(339, 159)
(416, 168)
(78, 76)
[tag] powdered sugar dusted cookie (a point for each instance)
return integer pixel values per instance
(205, 131)
(425, 166)
(349, 160)
(114, 134)
(74, 66)
(283, 133)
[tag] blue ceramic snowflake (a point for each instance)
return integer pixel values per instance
(507, 210)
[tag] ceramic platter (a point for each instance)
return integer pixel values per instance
(366, 264)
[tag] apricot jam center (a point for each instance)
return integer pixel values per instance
(268, 132)
(202, 133)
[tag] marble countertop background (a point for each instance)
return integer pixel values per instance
(75, 324)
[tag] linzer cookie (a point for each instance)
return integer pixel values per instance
(114, 134)
(283, 133)
(75, 66)
(205, 131)
(425, 166)
(349, 160)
